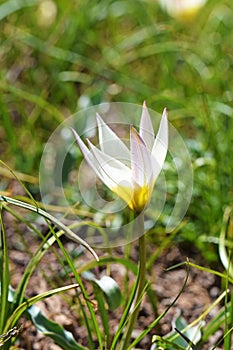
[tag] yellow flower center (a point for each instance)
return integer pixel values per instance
(140, 199)
(136, 199)
(187, 14)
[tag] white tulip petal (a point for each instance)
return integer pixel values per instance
(141, 165)
(87, 154)
(159, 150)
(81, 144)
(113, 172)
(133, 183)
(146, 130)
(110, 143)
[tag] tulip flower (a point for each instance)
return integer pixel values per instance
(182, 9)
(130, 174)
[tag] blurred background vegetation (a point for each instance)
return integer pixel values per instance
(57, 57)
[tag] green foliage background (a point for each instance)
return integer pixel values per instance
(90, 51)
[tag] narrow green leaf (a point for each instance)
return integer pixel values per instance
(93, 321)
(106, 260)
(109, 287)
(99, 295)
(12, 6)
(51, 218)
(4, 276)
(229, 322)
(51, 329)
(156, 321)
(186, 334)
(223, 253)
(111, 291)
(105, 288)
(161, 343)
(26, 304)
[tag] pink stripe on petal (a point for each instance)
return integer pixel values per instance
(140, 159)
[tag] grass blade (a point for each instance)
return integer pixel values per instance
(28, 303)
(12, 6)
(52, 219)
(5, 280)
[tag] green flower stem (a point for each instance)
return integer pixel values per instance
(140, 281)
